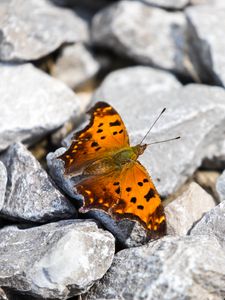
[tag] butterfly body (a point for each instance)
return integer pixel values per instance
(113, 179)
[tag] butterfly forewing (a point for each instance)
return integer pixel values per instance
(104, 134)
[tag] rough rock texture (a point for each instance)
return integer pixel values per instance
(75, 65)
(57, 260)
(187, 209)
(32, 104)
(30, 193)
(207, 45)
(220, 186)
(190, 114)
(170, 268)
(28, 36)
(3, 181)
(131, 28)
(172, 4)
(212, 224)
(56, 171)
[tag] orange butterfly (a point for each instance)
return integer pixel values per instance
(113, 178)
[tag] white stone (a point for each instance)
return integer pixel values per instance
(75, 65)
(146, 34)
(56, 260)
(183, 212)
(33, 104)
(32, 29)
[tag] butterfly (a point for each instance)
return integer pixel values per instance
(113, 180)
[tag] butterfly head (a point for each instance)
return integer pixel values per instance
(139, 149)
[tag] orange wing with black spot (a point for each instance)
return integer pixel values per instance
(129, 193)
(105, 133)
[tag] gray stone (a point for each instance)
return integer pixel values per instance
(29, 36)
(75, 65)
(33, 104)
(56, 171)
(56, 260)
(30, 193)
(191, 113)
(3, 182)
(220, 186)
(131, 28)
(220, 3)
(183, 212)
(212, 224)
(171, 4)
(170, 268)
(207, 46)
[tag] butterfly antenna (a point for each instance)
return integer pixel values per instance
(158, 142)
(164, 109)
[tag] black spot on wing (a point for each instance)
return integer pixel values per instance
(99, 130)
(128, 189)
(133, 199)
(140, 183)
(145, 180)
(116, 123)
(118, 190)
(150, 194)
(96, 149)
(140, 207)
(116, 183)
(94, 144)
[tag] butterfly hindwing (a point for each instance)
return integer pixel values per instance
(129, 193)
(106, 132)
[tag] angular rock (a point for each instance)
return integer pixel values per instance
(195, 112)
(207, 46)
(3, 181)
(207, 180)
(171, 4)
(183, 212)
(30, 193)
(220, 186)
(170, 268)
(33, 104)
(56, 171)
(25, 36)
(131, 28)
(75, 65)
(212, 224)
(57, 260)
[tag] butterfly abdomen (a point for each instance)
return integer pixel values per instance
(101, 166)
